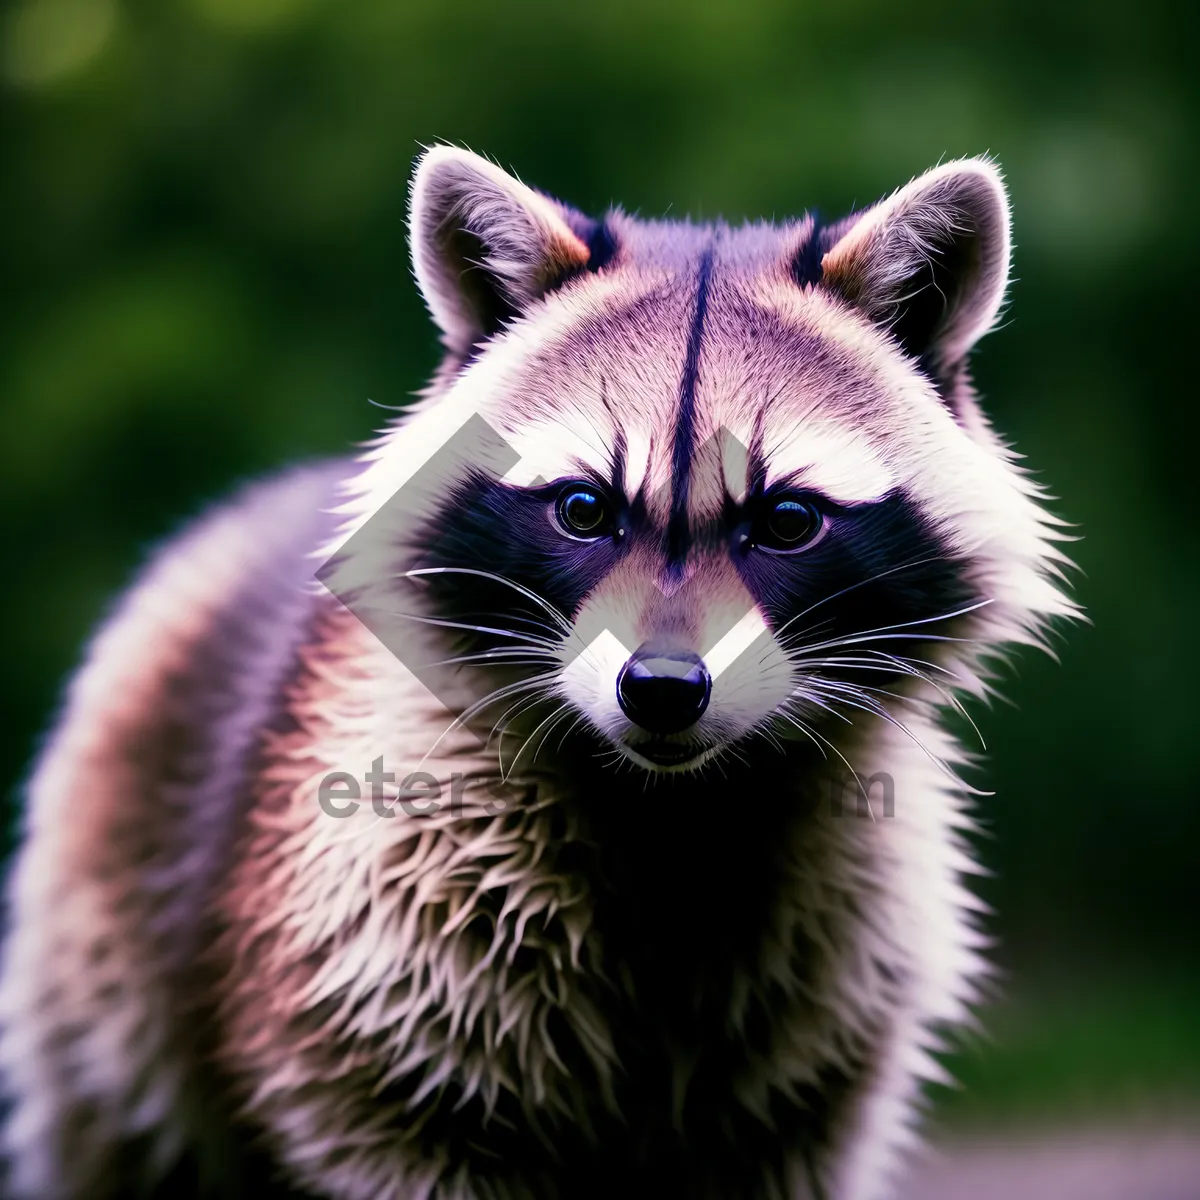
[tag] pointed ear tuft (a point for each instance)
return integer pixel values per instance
(929, 264)
(484, 246)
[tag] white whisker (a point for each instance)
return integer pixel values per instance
(557, 715)
(814, 734)
(491, 698)
(868, 705)
(515, 635)
(917, 562)
(559, 617)
(885, 632)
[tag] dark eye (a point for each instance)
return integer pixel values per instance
(583, 513)
(788, 523)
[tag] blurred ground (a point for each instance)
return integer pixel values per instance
(1104, 1163)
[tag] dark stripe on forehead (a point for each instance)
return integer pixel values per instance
(683, 446)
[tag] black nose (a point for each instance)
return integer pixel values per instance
(664, 693)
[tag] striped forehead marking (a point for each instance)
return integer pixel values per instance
(683, 446)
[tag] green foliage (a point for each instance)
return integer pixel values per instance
(1072, 1053)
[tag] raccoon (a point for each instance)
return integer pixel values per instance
(556, 798)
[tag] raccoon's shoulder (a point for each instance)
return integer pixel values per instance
(181, 676)
(126, 821)
(219, 599)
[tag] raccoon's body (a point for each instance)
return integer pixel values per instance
(658, 593)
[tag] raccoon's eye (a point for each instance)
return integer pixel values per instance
(788, 523)
(583, 513)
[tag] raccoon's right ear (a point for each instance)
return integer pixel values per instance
(484, 246)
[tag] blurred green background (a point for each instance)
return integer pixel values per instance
(203, 246)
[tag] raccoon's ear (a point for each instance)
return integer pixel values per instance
(930, 264)
(484, 246)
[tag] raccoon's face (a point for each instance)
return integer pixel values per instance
(723, 483)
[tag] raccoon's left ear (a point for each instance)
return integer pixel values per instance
(929, 264)
(484, 246)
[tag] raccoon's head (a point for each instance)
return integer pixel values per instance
(698, 484)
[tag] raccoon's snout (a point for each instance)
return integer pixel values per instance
(664, 692)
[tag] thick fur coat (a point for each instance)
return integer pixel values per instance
(347, 872)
